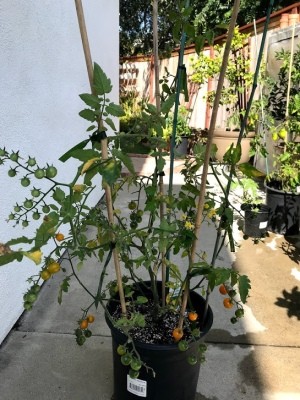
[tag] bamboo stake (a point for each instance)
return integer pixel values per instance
(290, 79)
(201, 199)
(158, 105)
(104, 151)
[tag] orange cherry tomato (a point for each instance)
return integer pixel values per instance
(90, 318)
(193, 316)
(222, 289)
(84, 324)
(227, 302)
(59, 237)
(177, 334)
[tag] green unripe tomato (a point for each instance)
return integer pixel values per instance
(25, 181)
(27, 305)
(87, 333)
(17, 208)
(192, 360)
(126, 359)
(28, 203)
(31, 297)
(31, 162)
(2, 152)
(121, 350)
(35, 289)
(14, 157)
(51, 172)
(135, 364)
(12, 172)
(35, 193)
(80, 340)
(39, 173)
(36, 215)
(183, 345)
(132, 205)
(139, 213)
(239, 313)
(133, 374)
(25, 223)
(46, 209)
(133, 225)
(11, 216)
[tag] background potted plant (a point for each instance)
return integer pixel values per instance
(234, 95)
(283, 182)
(256, 214)
(183, 130)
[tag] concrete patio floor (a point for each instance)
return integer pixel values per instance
(258, 358)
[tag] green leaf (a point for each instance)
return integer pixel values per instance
(126, 160)
(111, 171)
(58, 195)
(244, 287)
(88, 115)
(199, 43)
(168, 104)
(90, 100)
(64, 287)
(22, 239)
(250, 171)
(141, 300)
(110, 123)
(115, 110)
(84, 155)
(9, 257)
(102, 83)
(46, 229)
(69, 153)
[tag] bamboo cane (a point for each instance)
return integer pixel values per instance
(289, 80)
(201, 199)
(104, 150)
(158, 105)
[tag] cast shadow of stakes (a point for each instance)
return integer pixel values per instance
(291, 247)
(290, 301)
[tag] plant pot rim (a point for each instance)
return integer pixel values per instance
(279, 191)
(222, 132)
(164, 346)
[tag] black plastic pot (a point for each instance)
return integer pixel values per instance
(181, 149)
(175, 378)
(256, 219)
(284, 216)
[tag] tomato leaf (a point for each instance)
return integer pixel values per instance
(88, 114)
(244, 287)
(102, 83)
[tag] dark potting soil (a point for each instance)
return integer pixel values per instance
(156, 331)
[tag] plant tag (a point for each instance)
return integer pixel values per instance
(298, 189)
(137, 387)
(263, 224)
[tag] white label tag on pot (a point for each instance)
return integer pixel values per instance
(137, 387)
(298, 189)
(263, 225)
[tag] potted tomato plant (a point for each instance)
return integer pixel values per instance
(143, 241)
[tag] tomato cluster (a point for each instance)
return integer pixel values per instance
(82, 332)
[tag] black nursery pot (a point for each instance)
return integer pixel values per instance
(175, 378)
(284, 217)
(256, 220)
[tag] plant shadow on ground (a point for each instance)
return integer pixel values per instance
(290, 301)
(291, 247)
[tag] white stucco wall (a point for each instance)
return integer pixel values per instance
(42, 72)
